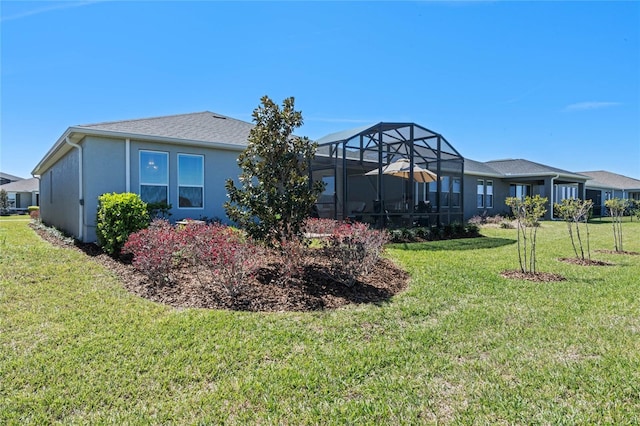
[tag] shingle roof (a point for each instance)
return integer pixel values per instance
(22, 185)
(476, 167)
(521, 167)
(9, 177)
(604, 179)
(200, 126)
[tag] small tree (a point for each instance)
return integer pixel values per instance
(4, 202)
(636, 208)
(275, 196)
(616, 208)
(574, 212)
(527, 213)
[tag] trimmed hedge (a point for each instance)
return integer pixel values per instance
(119, 215)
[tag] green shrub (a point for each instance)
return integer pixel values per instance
(119, 215)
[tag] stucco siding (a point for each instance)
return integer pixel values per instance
(500, 194)
(104, 171)
(59, 194)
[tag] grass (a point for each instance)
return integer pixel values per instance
(461, 345)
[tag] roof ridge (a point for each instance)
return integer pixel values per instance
(155, 118)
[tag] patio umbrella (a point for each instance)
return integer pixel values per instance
(401, 167)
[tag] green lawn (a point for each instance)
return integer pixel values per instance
(461, 345)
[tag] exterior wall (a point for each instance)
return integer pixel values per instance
(500, 194)
(607, 194)
(104, 171)
(219, 165)
(59, 194)
(22, 200)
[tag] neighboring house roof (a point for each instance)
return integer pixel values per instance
(521, 167)
(206, 129)
(609, 180)
(22, 185)
(478, 168)
(10, 178)
(514, 168)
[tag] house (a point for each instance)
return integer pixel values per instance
(387, 174)
(22, 193)
(606, 185)
(489, 184)
(183, 160)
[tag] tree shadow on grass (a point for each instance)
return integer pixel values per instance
(455, 245)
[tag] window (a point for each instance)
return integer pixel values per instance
(480, 193)
(485, 194)
(444, 195)
(154, 176)
(488, 200)
(519, 190)
(190, 181)
(433, 194)
(455, 192)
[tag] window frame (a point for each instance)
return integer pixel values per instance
(201, 186)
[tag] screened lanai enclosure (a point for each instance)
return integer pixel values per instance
(389, 175)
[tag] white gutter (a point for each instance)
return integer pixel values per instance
(552, 193)
(79, 132)
(80, 189)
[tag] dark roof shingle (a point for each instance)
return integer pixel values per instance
(200, 126)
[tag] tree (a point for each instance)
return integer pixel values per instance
(617, 207)
(574, 212)
(275, 195)
(4, 202)
(528, 212)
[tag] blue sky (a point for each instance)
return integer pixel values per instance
(552, 82)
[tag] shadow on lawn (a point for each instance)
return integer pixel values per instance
(455, 245)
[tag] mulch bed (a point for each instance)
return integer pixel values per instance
(540, 277)
(311, 289)
(632, 253)
(584, 262)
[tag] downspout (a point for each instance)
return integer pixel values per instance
(552, 195)
(80, 189)
(127, 166)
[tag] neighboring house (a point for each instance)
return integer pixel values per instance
(7, 178)
(489, 184)
(22, 194)
(606, 185)
(180, 159)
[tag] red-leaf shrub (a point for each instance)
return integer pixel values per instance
(316, 226)
(155, 250)
(353, 250)
(229, 257)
